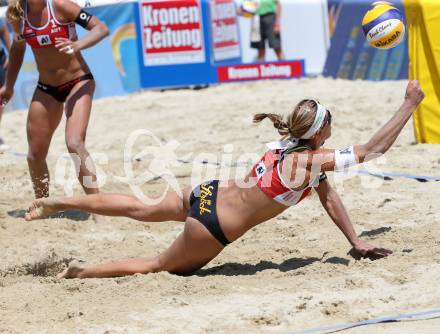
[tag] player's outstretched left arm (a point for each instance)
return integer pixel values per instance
(332, 203)
(323, 160)
(71, 12)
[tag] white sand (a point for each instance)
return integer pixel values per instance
(288, 274)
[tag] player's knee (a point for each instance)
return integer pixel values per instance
(75, 145)
(179, 211)
(35, 156)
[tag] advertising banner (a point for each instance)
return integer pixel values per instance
(224, 24)
(174, 47)
(274, 70)
(172, 32)
(304, 34)
(96, 3)
(350, 56)
(114, 61)
(162, 44)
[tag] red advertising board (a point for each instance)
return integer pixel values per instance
(172, 32)
(225, 40)
(274, 70)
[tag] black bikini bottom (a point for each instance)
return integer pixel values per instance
(203, 202)
(60, 93)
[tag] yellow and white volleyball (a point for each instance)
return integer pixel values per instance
(248, 8)
(383, 25)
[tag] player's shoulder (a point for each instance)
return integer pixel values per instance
(62, 2)
(64, 5)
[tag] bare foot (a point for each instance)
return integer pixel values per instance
(100, 219)
(41, 208)
(74, 270)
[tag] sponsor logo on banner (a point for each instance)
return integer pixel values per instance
(171, 32)
(224, 29)
(275, 70)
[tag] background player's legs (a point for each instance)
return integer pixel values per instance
(261, 56)
(43, 118)
(78, 109)
(280, 54)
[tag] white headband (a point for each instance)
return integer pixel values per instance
(292, 142)
(317, 123)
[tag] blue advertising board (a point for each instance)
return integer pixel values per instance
(115, 59)
(350, 56)
(175, 44)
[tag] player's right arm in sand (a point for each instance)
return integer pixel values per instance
(380, 142)
(16, 55)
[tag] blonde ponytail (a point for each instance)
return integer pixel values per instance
(298, 121)
(14, 13)
(277, 120)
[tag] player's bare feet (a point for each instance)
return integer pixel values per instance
(74, 270)
(41, 208)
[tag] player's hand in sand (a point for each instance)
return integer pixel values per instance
(73, 270)
(414, 93)
(365, 249)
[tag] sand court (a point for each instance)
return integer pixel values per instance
(288, 274)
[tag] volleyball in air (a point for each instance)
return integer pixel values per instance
(248, 8)
(383, 26)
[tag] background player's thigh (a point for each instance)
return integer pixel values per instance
(43, 118)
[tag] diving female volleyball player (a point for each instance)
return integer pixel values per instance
(218, 212)
(65, 81)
